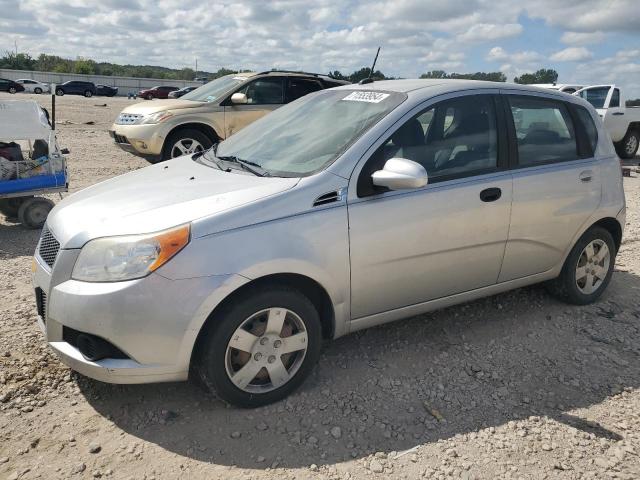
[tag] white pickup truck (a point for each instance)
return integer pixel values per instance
(622, 123)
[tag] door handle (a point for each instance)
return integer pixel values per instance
(618, 113)
(586, 176)
(490, 194)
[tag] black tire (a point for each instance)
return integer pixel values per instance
(37, 90)
(565, 287)
(59, 92)
(149, 97)
(628, 146)
(88, 93)
(12, 90)
(9, 206)
(185, 133)
(33, 212)
(212, 354)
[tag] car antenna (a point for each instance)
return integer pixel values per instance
(369, 79)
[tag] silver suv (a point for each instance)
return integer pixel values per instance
(345, 209)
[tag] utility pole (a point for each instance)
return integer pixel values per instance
(15, 43)
(196, 68)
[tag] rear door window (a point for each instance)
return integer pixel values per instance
(299, 87)
(615, 98)
(544, 131)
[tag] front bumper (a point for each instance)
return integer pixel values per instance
(141, 140)
(154, 320)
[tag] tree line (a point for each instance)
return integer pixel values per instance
(54, 63)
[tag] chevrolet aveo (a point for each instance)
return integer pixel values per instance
(345, 209)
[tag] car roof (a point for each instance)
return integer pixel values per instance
(428, 87)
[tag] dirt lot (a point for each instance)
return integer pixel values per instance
(513, 386)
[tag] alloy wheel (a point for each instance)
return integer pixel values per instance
(266, 350)
(186, 146)
(593, 266)
(632, 145)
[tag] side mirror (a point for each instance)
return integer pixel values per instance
(239, 98)
(400, 174)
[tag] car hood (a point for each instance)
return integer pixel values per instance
(155, 198)
(146, 108)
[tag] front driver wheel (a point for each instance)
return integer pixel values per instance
(59, 92)
(37, 90)
(12, 90)
(88, 93)
(260, 347)
(588, 268)
(185, 142)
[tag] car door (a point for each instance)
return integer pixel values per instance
(4, 85)
(556, 182)
(264, 95)
(449, 237)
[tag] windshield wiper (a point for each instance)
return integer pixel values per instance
(247, 165)
(202, 157)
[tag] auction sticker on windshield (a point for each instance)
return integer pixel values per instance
(369, 97)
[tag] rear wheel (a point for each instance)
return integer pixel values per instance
(149, 97)
(588, 268)
(33, 212)
(185, 142)
(261, 347)
(9, 206)
(88, 93)
(12, 90)
(59, 92)
(628, 147)
(37, 90)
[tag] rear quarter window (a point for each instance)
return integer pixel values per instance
(587, 123)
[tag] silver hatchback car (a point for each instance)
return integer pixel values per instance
(345, 209)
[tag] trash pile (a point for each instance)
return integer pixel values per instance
(25, 161)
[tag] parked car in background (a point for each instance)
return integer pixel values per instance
(210, 113)
(106, 90)
(560, 87)
(33, 86)
(156, 92)
(622, 122)
(181, 92)
(10, 86)
(343, 210)
(76, 87)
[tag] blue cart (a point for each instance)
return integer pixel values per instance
(31, 163)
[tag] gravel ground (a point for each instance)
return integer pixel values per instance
(514, 386)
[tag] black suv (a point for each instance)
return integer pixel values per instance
(76, 87)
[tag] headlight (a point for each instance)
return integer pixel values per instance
(154, 118)
(115, 259)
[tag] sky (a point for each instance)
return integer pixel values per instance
(586, 41)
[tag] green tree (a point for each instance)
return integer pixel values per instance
(20, 61)
(544, 75)
(337, 75)
(83, 66)
(363, 73)
(435, 74)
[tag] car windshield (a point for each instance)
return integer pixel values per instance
(595, 96)
(214, 89)
(307, 135)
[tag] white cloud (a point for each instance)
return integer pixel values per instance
(415, 35)
(582, 38)
(572, 54)
(489, 31)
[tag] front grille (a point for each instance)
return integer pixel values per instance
(128, 118)
(41, 303)
(49, 247)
